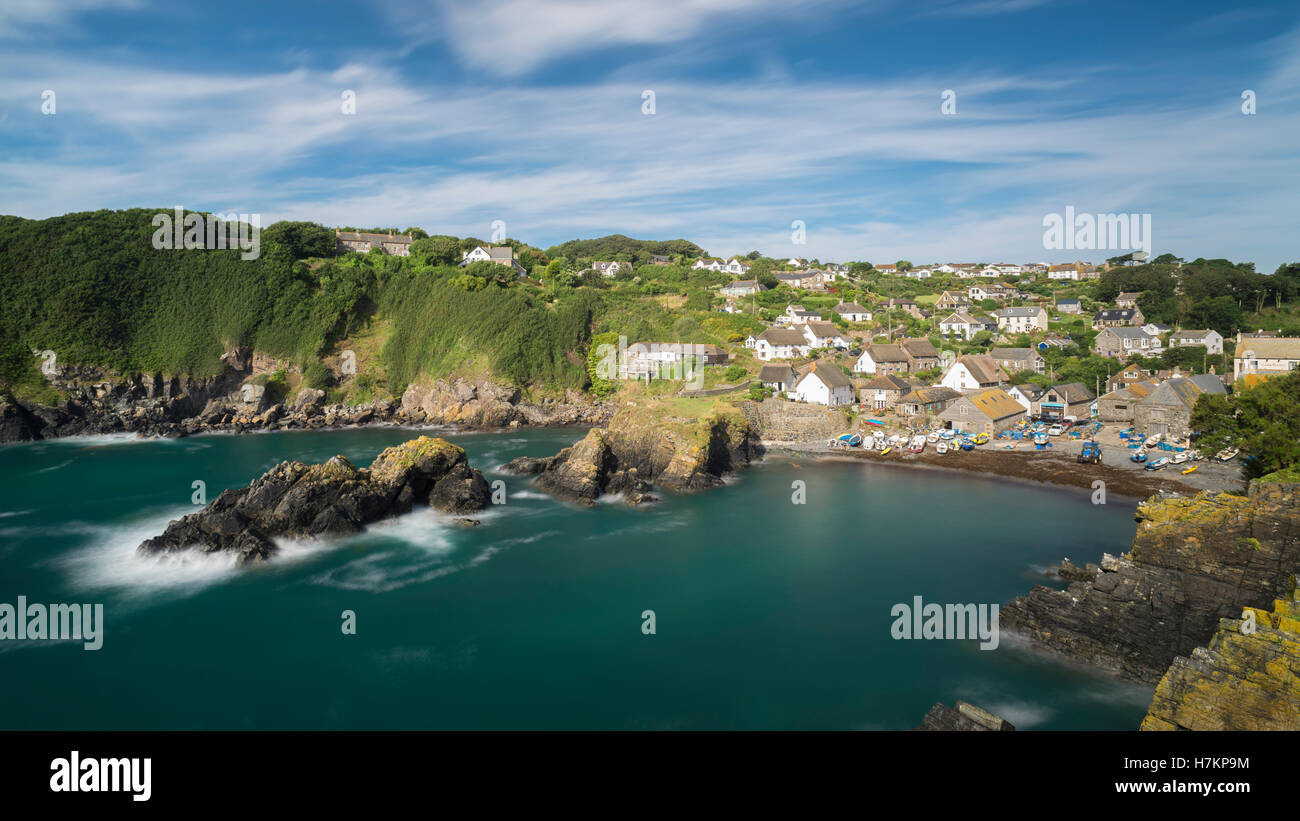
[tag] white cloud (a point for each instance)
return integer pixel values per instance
(19, 17)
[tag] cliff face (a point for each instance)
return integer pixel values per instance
(963, 717)
(1247, 679)
(1194, 561)
(162, 405)
(634, 451)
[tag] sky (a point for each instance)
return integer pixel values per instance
(766, 116)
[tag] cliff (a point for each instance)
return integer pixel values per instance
(297, 500)
(1247, 679)
(1194, 561)
(645, 444)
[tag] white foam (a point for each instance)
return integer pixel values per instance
(1022, 715)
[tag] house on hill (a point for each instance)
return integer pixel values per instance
(883, 392)
(852, 312)
(1267, 357)
(972, 373)
(1210, 339)
(780, 343)
(1015, 360)
(825, 335)
(824, 385)
(779, 378)
(1125, 342)
(743, 287)
(882, 359)
(398, 245)
(1024, 319)
(989, 411)
(500, 254)
(1118, 318)
(921, 354)
(1120, 404)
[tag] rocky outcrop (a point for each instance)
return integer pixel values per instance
(297, 500)
(962, 717)
(160, 405)
(1194, 561)
(635, 451)
(1248, 678)
(483, 404)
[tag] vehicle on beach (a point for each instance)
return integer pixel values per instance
(932, 437)
(917, 444)
(1227, 454)
(941, 448)
(947, 435)
(885, 451)
(1158, 464)
(851, 439)
(980, 438)
(1138, 456)
(1055, 430)
(1154, 439)
(1181, 457)
(1090, 454)
(1191, 469)
(967, 444)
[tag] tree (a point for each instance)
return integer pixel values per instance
(904, 265)
(437, 250)
(302, 239)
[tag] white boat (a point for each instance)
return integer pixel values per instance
(1180, 457)
(941, 447)
(1227, 454)
(933, 437)
(946, 435)
(1154, 440)
(917, 445)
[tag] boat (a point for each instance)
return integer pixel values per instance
(980, 439)
(946, 435)
(851, 439)
(1227, 454)
(967, 444)
(875, 422)
(933, 437)
(1055, 430)
(886, 450)
(941, 447)
(1138, 456)
(1040, 438)
(1190, 469)
(917, 445)
(1158, 464)
(1180, 457)
(1154, 439)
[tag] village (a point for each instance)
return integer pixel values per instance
(970, 366)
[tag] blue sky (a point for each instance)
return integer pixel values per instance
(765, 113)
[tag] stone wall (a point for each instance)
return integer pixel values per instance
(779, 421)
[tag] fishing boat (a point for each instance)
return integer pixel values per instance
(1180, 457)
(878, 440)
(851, 439)
(875, 422)
(946, 435)
(1040, 438)
(1138, 456)
(1158, 464)
(1154, 439)
(917, 444)
(967, 444)
(932, 437)
(941, 447)
(1227, 454)
(1190, 469)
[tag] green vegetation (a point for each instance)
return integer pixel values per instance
(1264, 421)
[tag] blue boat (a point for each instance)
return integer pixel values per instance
(851, 439)
(1138, 456)
(967, 444)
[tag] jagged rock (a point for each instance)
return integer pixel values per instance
(963, 716)
(309, 399)
(1193, 562)
(294, 499)
(625, 457)
(16, 423)
(1244, 680)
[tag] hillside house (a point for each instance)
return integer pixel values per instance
(1210, 339)
(779, 378)
(1022, 320)
(1168, 409)
(780, 343)
(1118, 318)
(1278, 355)
(398, 245)
(1015, 360)
(925, 401)
(1071, 399)
(921, 354)
(883, 392)
(1125, 342)
(882, 359)
(824, 385)
(500, 254)
(972, 373)
(852, 312)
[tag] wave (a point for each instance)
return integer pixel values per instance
(54, 467)
(8, 513)
(1022, 715)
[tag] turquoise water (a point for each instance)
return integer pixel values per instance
(768, 614)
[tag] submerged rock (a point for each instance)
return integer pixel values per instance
(963, 717)
(294, 499)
